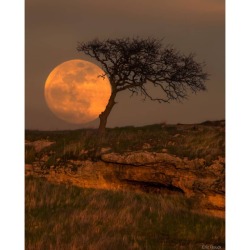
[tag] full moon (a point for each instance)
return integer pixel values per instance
(75, 92)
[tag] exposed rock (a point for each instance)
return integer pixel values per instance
(164, 171)
(146, 146)
(83, 152)
(140, 158)
(28, 169)
(152, 172)
(105, 150)
(164, 150)
(176, 135)
(39, 145)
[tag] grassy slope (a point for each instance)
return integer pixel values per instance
(193, 141)
(66, 217)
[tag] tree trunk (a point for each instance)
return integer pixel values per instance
(103, 122)
(104, 115)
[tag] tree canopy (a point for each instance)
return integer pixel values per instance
(132, 63)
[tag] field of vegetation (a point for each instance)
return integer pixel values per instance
(206, 140)
(62, 216)
(66, 217)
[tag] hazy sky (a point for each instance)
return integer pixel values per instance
(53, 29)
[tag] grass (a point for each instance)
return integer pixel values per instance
(30, 154)
(206, 140)
(68, 217)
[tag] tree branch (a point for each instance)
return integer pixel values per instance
(134, 63)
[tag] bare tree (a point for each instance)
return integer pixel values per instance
(133, 64)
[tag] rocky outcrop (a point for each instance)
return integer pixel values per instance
(140, 158)
(193, 178)
(151, 172)
(39, 145)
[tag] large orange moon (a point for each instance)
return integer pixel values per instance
(75, 92)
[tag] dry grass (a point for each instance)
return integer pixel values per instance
(66, 217)
(205, 141)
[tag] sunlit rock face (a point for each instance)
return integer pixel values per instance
(193, 178)
(149, 172)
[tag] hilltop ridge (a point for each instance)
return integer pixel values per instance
(179, 159)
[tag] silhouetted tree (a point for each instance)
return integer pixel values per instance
(132, 64)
